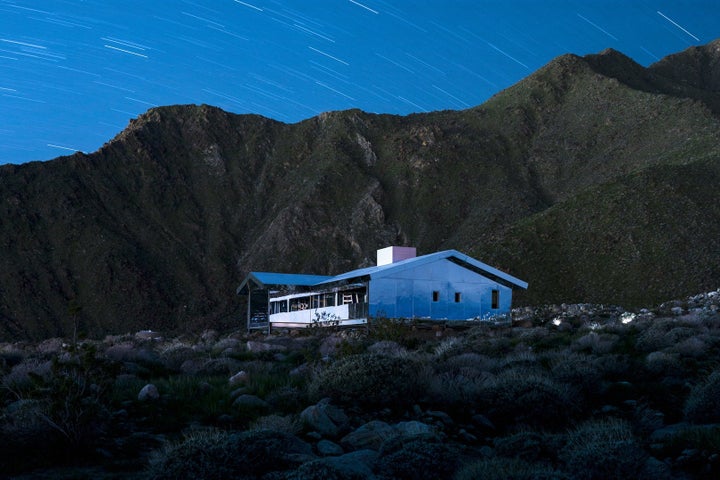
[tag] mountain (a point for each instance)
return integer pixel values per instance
(594, 179)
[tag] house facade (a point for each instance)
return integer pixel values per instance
(446, 285)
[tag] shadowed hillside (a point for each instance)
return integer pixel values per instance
(593, 179)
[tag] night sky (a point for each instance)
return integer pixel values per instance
(73, 72)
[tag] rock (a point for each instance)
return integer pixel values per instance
(656, 469)
(442, 416)
(356, 464)
(369, 436)
(148, 335)
(324, 418)
(238, 391)
(466, 437)
(413, 429)
(327, 448)
(250, 402)
(483, 423)
(302, 370)
(227, 346)
(209, 336)
(256, 347)
(662, 435)
(149, 393)
(240, 377)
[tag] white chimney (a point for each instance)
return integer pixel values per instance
(388, 255)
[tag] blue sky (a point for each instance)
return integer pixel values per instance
(74, 72)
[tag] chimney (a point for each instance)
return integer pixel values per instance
(388, 255)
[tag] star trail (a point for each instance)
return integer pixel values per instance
(74, 72)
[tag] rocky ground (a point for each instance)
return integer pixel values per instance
(567, 391)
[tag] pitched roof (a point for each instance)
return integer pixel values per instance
(266, 279)
(453, 255)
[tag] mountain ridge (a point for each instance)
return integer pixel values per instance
(156, 228)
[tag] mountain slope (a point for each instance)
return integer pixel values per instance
(592, 179)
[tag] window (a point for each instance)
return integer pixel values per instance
(495, 299)
(458, 297)
(436, 296)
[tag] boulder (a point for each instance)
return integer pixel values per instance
(413, 429)
(239, 378)
(351, 465)
(369, 436)
(149, 393)
(257, 347)
(326, 448)
(326, 419)
(250, 402)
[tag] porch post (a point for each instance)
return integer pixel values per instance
(248, 304)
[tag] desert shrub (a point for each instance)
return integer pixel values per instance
(395, 330)
(369, 379)
(655, 337)
(456, 388)
(448, 346)
(702, 405)
(188, 398)
(577, 369)
(508, 469)
(527, 445)
(603, 449)
(595, 343)
(469, 364)
(215, 454)
(24, 376)
(693, 347)
(662, 363)
(25, 432)
(528, 397)
(700, 437)
(458, 379)
(208, 454)
(323, 470)
(387, 348)
(279, 423)
(416, 459)
(522, 359)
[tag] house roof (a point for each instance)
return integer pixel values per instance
(265, 279)
(453, 255)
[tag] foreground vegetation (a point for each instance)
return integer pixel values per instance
(572, 391)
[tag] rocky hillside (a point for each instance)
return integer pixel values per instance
(593, 179)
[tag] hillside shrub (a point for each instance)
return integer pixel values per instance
(370, 379)
(702, 404)
(324, 470)
(517, 396)
(500, 468)
(579, 370)
(212, 454)
(603, 450)
(208, 454)
(24, 432)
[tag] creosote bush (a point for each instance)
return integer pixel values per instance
(215, 454)
(528, 397)
(703, 402)
(602, 450)
(370, 379)
(500, 468)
